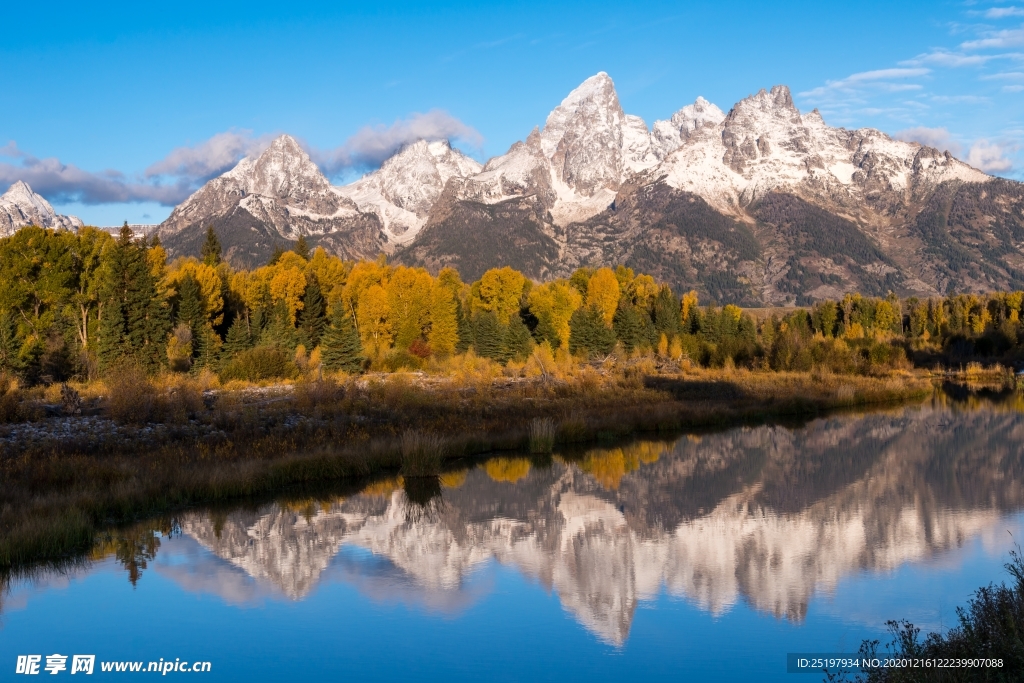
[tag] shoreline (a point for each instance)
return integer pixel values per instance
(55, 498)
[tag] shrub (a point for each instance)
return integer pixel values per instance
(261, 363)
(11, 399)
(131, 398)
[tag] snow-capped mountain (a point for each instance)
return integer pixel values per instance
(404, 189)
(271, 200)
(20, 206)
(760, 205)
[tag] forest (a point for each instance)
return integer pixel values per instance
(79, 305)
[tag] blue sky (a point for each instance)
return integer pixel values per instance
(116, 112)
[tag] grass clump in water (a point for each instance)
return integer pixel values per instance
(542, 435)
(422, 454)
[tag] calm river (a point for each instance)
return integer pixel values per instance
(709, 557)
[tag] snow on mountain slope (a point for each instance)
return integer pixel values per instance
(577, 162)
(20, 206)
(765, 143)
(403, 190)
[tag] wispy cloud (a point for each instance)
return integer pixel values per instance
(172, 179)
(989, 157)
(996, 39)
(210, 157)
(372, 145)
(939, 138)
(61, 182)
(1003, 12)
(879, 79)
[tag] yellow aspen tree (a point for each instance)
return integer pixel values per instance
(288, 284)
(689, 303)
(373, 318)
(331, 272)
(642, 291)
(444, 324)
(554, 303)
(408, 292)
(363, 275)
(499, 291)
(211, 286)
(603, 292)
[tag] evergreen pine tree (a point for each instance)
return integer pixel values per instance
(276, 255)
(211, 248)
(278, 330)
(340, 347)
(135, 320)
(666, 312)
(154, 241)
(489, 337)
(633, 327)
(588, 335)
(302, 247)
(192, 313)
(9, 358)
(312, 318)
(238, 340)
(517, 339)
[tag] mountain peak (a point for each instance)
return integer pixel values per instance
(20, 206)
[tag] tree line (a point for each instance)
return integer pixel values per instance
(82, 304)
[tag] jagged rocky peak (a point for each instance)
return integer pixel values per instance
(413, 178)
(20, 206)
(406, 186)
(685, 123)
(583, 137)
(284, 170)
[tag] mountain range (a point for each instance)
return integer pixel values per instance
(760, 205)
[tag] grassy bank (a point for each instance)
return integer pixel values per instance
(218, 446)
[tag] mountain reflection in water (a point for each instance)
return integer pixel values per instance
(767, 515)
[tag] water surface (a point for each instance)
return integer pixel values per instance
(707, 557)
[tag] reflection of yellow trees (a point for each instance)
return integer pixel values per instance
(134, 547)
(453, 480)
(609, 466)
(383, 488)
(509, 470)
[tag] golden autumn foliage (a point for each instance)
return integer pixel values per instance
(554, 303)
(499, 291)
(603, 293)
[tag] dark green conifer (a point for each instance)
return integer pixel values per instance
(276, 255)
(517, 339)
(340, 346)
(9, 346)
(633, 327)
(135, 320)
(302, 247)
(666, 312)
(238, 340)
(489, 337)
(464, 327)
(312, 317)
(211, 248)
(588, 335)
(279, 330)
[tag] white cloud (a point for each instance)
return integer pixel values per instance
(878, 79)
(996, 39)
(372, 145)
(1004, 76)
(211, 157)
(989, 157)
(947, 58)
(180, 173)
(939, 138)
(62, 182)
(1002, 12)
(1013, 88)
